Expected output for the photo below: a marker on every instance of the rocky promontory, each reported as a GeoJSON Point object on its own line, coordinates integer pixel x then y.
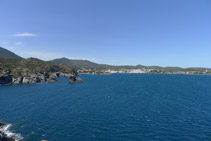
{"type": "Point", "coordinates": [30, 71]}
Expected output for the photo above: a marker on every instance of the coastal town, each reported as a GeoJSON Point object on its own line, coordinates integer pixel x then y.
{"type": "Point", "coordinates": [145, 71]}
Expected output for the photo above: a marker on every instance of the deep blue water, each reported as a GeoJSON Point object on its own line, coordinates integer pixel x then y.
{"type": "Point", "coordinates": [119, 107]}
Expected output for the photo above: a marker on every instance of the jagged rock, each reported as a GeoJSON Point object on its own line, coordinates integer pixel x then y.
{"type": "Point", "coordinates": [52, 79]}
{"type": "Point", "coordinates": [17, 80]}
{"type": "Point", "coordinates": [35, 78]}
{"type": "Point", "coordinates": [64, 75]}
{"type": "Point", "coordinates": [26, 80]}
{"type": "Point", "coordinates": [46, 75]}
{"type": "Point", "coordinates": [3, 136]}
{"type": "Point", "coordinates": [74, 79]}
{"type": "Point", "coordinates": [56, 74]}
{"type": "Point", "coordinates": [79, 80]}
{"type": "Point", "coordinates": [1, 125]}
{"type": "Point", "coordinates": [5, 79]}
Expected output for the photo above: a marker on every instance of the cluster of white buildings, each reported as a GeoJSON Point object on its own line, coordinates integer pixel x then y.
{"type": "Point", "coordinates": [128, 71]}
{"type": "Point", "coordinates": [142, 70]}
{"type": "Point", "coordinates": [115, 71]}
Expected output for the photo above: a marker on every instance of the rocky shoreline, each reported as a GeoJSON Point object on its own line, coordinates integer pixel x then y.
{"type": "Point", "coordinates": [3, 134]}
{"type": "Point", "coordinates": [8, 79]}
{"type": "Point", "coordinates": [32, 70]}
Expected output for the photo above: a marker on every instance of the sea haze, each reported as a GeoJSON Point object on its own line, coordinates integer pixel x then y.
{"type": "Point", "coordinates": [113, 107]}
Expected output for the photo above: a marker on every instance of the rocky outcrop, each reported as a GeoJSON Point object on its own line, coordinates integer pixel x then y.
{"type": "Point", "coordinates": [60, 74]}
{"type": "Point", "coordinates": [74, 79]}
{"type": "Point", "coordinates": [17, 80]}
{"type": "Point", "coordinates": [8, 78]}
{"type": "Point", "coordinates": [35, 78]}
{"type": "Point", "coordinates": [5, 78]}
{"type": "Point", "coordinates": [52, 79]}
{"type": "Point", "coordinates": [27, 78]}
{"type": "Point", "coordinates": [3, 135]}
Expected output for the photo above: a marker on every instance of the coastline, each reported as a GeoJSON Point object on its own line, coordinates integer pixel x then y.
{"type": "Point", "coordinates": [37, 78]}
{"type": "Point", "coordinates": [141, 73]}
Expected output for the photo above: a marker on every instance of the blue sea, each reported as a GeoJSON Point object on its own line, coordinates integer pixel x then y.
{"type": "Point", "coordinates": [117, 107]}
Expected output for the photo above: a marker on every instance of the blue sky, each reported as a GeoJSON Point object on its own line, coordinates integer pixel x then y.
{"type": "Point", "coordinates": [117, 32]}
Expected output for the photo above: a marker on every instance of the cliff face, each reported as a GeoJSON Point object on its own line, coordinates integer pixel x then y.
{"type": "Point", "coordinates": [29, 71]}
{"type": "Point", "coordinates": [30, 78]}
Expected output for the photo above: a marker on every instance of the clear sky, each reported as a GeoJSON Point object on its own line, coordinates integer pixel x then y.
{"type": "Point", "coordinates": [117, 32]}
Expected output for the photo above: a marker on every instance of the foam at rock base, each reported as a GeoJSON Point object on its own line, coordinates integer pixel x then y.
{"type": "Point", "coordinates": [5, 130]}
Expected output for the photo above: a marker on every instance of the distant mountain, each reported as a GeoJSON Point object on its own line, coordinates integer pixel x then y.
{"type": "Point", "coordinates": [94, 67]}
{"type": "Point", "coordinates": [77, 64]}
{"type": "Point", "coordinates": [4, 53]}
{"type": "Point", "coordinates": [88, 66]}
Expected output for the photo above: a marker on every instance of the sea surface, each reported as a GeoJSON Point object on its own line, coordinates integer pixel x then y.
{"type": "Point", "coordinates": [117, 107]}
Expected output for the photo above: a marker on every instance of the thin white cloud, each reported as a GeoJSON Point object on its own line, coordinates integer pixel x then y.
{"type": "Point", "coordinates": [18, 43]}
{"type": "Point", "coordinates": [3, 43]}
{"type": "Point", "coordinates": [25, 34]}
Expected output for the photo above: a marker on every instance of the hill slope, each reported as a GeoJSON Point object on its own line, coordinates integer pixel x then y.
{"type": "Point", "coordinates": [4, 53]}
{"type": "Point", "coordinates": [78, 64]}
{"type": "Point", "coordinates": [32, 70]}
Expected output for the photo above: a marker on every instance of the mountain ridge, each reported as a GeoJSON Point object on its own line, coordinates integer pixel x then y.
{"type": "Point", "coordinates": [92, 66]}
{"type": "Point", "coordinates": [4, 53]}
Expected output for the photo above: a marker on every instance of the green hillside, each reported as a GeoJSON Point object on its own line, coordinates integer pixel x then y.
{"type": "Point", "coordinates": [78, 64]}
{"type": "Point", "coordinates": [75, 63]}
{"type": "Point", "coordinates": [20, 67]}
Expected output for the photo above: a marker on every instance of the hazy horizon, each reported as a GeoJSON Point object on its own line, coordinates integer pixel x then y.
{"type": "Point", "coordinates": [120, 32]}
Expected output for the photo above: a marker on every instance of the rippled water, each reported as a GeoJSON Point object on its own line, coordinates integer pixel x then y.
{"type": "Point", "coordinates": [111, 108]}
